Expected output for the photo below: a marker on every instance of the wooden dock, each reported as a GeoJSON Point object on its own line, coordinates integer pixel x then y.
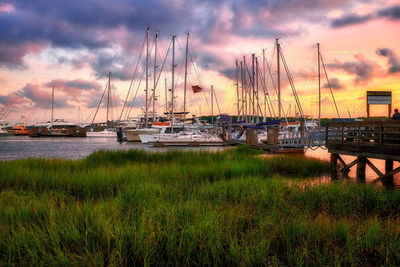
{"type": "Point", "coordinates": [365, 140]}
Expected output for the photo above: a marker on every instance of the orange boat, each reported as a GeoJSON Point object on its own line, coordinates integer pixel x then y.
{"type": "Point", "coordinates": [19, 129]}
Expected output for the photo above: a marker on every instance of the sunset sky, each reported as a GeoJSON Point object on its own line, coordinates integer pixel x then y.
{"type": "Point", "coordinates": [73, 45]}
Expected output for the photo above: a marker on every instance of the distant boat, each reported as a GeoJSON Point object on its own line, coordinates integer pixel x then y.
{"type": "Point", "coordinates": [107, 132]}
{"type": "Point", "coordinates": [56, 127]}
{"type": "Point", "coordinates": [20, 127]}
{"type": "Point", "coordinates": [103, 133]}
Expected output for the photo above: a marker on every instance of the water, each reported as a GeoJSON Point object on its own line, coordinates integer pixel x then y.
{"type": "Point", "coordinates": [21, 147]}
{"type": "Point", "coordinates": [370, 175]}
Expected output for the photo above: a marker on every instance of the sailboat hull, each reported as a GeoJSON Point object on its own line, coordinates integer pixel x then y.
{"type": "Point", "coordinates": [133, 134]}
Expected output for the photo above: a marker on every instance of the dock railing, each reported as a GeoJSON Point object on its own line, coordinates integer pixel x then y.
{"type": "Point", "coordinates": [301, 139]}
{"type": "Point", "coordinates": [363, 133]}
{"type": "Point", "coordinates": [365, 140]}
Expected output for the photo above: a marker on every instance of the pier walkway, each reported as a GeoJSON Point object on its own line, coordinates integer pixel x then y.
{"type": "Point", "coordinates": [364, 140]}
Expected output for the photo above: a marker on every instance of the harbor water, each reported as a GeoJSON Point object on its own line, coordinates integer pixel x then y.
{"type": "Point", "coordinates": [22, 147]}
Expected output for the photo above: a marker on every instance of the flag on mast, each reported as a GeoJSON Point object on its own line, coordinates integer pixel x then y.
{"type": "Point", "coordinates": [197, 89]}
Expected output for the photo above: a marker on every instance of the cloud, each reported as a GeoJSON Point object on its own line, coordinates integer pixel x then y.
{"type": "Point", "coordinates": [351, 19]}
{"type": "Point", "coordinates": [97, 24]}
{"type": "Point", "coordinates": [11, 56]}
{"type": "Point", "coordinates": [229, 73]}
{"type": "Point", "coordinates": [335, 84]}
{"type": "Point", "coordinates": [362, 68]}
{"type": "Point", "coordinates": [66, 92]}
{"type": "Point", "coordinates": [39, 97]}
{"type": "Point", "coordinates": [74, 88]}
{"type": "Point", "coordinates": [393, 60]}
{"type": "Point", "coordinates": [391, 13]}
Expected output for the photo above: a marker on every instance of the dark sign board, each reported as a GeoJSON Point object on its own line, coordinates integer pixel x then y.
{"type": "Point", "coordinates": [379, 97]}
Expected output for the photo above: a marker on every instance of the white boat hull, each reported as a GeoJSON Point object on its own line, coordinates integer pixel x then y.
{"type": "Point", "coordinates": [111, 134]}
{"type": "Point", "coordinates": [133, 134]}
{"type": "Point", "coordinates": [181, 139]}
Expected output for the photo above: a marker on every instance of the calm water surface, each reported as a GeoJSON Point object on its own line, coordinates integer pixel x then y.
{"type": "Point", "coordinates": [19, 147]}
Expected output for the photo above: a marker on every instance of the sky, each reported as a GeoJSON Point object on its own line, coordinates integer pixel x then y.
{"type": "Point", "coordinates": [73, 45]}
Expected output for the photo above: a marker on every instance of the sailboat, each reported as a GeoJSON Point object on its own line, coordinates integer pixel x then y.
{"type": "Point", "coordinates": [56, 127]}
{"type": "Point", "coordinates": [178, 133]}
{"type": "Point", "coordinates": [107, 132]}
{"type": "Point", "coordinates": [148, 125]}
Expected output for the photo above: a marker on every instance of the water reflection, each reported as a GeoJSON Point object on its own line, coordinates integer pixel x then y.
{"type": "Point", "coordinates": [370, 175]}
{"type": "Point", "coordinates": [20, 147]}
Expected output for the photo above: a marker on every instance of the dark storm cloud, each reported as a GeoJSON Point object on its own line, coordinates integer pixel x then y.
{"type": "Point", "coordinates": [362, 68]}
{"type": "Point", "coordinates": [350, 20]}
{"type": "Point", "coordinates": [393, 60]}
{"type": "Point", "coordinates": [229, 73]}
{"type": "Point", "coordinates": [391, 13]}
{"type": "Point", "coordinates": [86, 24]}
{"type": "Point", "coordinates": [335, 84]}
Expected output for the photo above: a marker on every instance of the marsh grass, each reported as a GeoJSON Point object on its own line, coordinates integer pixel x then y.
{"type": "Point", "coordinates": [188, 208]}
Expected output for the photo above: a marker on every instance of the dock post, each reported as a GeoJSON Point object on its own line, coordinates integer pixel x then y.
{"type": "Point", "coordinates": [251, 137]}
{"type": "Point", "coordinates": [361, 166]}
{"type": "Point", "coordinates": [388, 168]}
{"type": "Point", "coordinates": [333, 163]}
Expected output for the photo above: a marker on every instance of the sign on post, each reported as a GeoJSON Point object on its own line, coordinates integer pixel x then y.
{"type": "Point", "coordinates": [379, 98]}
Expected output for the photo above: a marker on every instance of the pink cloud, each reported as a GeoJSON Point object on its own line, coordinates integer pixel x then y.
{"type": "Point", "coordinates": [6, 8]}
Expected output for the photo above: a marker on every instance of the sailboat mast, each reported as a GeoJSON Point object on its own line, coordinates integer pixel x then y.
{"type": "Point", "coordinates": [173, 83]}
{"type": "Point", "coordinates": [184, 92]}
{"type": "Point", "coordinates": [245, 87]}
{"type": "Point", "coordinates": [258, 101]}
{"type": "Point", "coordinates": [237, 89]}
{"type": "Point", "coordinates": [52, 107]}
{"type": "Point", "coordinates": [265, 97]}
{"type": "Point", "coordinates": [166, 96]}
{"type": "Point", "coordinates": [147, 76]}
{"type": "Point", "coordinates": [253, 85]}
{"type": "Point", "coordinates": [108, 97]}
{"type": "Point", "coordinates": [242, 81]}
{"type": "Point", "coordinates": [154, 74]}
{"type": "Point", "coordinates": [278, 51]}
{"type": "Point", "coordinates": [319, 89]}
{"type": "Point", "coordinates": [212, 105]}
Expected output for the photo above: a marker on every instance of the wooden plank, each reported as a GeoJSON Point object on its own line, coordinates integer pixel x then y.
{"type": "Point", "coordinates": [369, 155]}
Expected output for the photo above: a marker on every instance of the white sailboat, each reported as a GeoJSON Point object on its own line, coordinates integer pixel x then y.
{"type": "Point", "coordinates": [178, 133]}
{"type": "Point", "coordinates": [107, 132]}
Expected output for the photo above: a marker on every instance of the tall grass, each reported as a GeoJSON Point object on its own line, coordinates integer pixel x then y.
{"type": "Point", "coordinates": [191, 208]}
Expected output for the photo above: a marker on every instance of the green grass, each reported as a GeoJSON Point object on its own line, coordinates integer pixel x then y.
{"type": "Point", "coordinates": [191, 208]}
